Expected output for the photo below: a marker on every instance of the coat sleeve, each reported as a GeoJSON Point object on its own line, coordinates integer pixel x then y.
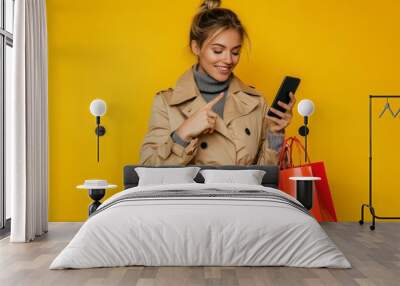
{"type": "Point", "coordinates": [268, 155]}
{"type": "Point", "coordinates": [158, 147]}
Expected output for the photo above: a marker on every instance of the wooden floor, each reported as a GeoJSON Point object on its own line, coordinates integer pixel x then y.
{"type": "Point", "coordinates": [375, 257]}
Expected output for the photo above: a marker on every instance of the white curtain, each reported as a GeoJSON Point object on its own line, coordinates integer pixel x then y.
{"type": "Point", "coordinates": [27, 124]}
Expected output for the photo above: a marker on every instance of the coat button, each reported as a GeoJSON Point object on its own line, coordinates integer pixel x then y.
{"type": "Point", "coordinates": [203, 145]}
{"type": "Point", "coordinates": [247, 130]}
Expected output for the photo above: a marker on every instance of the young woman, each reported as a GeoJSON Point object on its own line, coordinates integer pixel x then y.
{"type": "Point", "coordinates": [211, 117]}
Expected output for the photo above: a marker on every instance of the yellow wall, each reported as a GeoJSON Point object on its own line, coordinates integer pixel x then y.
{"type": "Point", "coordinates": [125, 51]}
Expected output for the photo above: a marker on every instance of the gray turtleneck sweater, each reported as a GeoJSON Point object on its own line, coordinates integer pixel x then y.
{"type": "Point", "coordinates": [210, 88]}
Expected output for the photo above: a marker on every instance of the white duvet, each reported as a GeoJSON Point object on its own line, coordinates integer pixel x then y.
{"type": "Point", "coordinates": [200, 231]}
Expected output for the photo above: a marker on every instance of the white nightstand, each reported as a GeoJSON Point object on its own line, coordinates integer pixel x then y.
{"type": "Point", "coordinates": [304, 190]}
{"type": "Point", "coordinates": [97, 190]}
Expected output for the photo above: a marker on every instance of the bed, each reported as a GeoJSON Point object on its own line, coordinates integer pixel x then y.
{"type": "Point", "coordinates": [198, 224]}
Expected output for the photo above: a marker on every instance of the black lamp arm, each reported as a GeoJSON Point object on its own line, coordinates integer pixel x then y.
{"type": "Point", "coordinates": [100, 131]}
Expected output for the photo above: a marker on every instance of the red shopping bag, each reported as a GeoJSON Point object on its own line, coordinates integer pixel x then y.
{"type": "Point", "coordinates": [323, 208]}
{"type": "Point", "coordinates": [327, 209]}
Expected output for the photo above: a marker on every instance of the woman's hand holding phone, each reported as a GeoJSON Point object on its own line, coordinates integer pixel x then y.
{"type": "Point", "coordinates": [279, 124]}
{"type": "Point", "coordinates": [201, 122]}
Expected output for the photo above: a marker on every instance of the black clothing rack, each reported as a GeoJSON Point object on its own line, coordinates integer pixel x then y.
{"type": "Point", "coordinates": [369, 205]}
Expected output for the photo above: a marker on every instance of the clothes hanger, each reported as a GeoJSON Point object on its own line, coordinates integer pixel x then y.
{"type": "Point", "coordinates": [397, 113]}
{"type": "Point", "coordinates": [387, 107]}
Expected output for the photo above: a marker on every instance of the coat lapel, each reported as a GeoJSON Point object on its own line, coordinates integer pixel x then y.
{"type": "Point", "coordinates": [190, 107]}
{"type": "Point", "coordinates": [239, 103]}
{"type": "Point", "coordinates": [186, 96]}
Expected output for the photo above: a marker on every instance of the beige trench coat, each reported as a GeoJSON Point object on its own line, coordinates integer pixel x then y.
{"type": "Point", "coordinates": [238, 139]}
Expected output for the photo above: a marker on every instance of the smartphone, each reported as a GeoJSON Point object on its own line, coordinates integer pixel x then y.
{"type": "Point", "coordinates": [289, 84]}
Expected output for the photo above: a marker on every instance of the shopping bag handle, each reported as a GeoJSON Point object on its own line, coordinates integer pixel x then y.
{"type": "Point", "coordinates": [287, 149]}
{"type": "Point", "coordinates": [283, 152]}
{"type": "Point", "coordinates": [301, 148]}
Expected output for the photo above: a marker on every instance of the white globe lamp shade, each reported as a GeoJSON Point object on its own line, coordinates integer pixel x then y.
{"type": "Point", "coordinates": [98, 107]}
{"type": "Point", "coordinates": [305, 107]}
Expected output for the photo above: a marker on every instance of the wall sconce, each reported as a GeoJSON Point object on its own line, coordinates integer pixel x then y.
{"type": "Point", "coordinates": [98, 108]}
{"type": "Point", "coordinates": [305, 108]}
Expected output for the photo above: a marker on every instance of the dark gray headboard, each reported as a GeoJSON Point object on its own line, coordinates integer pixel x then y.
{"type": "Point", "coordinates": [270, 179]}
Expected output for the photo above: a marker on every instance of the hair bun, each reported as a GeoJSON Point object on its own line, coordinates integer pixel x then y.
{"type": "Point", "coordinates": [210, 4]}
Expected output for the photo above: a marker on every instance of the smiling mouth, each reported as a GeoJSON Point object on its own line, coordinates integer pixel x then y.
{"type": "Point", "coordinates": [223, 69]}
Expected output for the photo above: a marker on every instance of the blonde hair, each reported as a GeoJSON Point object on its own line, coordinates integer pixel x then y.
{"type": "Point", "coordinates": [210, 4]}
{"type": "Point", "coordinates": [211, 18]}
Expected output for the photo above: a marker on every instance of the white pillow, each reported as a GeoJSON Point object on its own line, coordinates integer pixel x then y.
{"type": "Point", "coordinates": [248, 177]}
{"type": "Point", "coordinates": [163, 176]}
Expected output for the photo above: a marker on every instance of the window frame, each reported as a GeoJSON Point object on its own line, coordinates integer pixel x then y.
{"type": "Point", "coordinates": [6, 39]}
